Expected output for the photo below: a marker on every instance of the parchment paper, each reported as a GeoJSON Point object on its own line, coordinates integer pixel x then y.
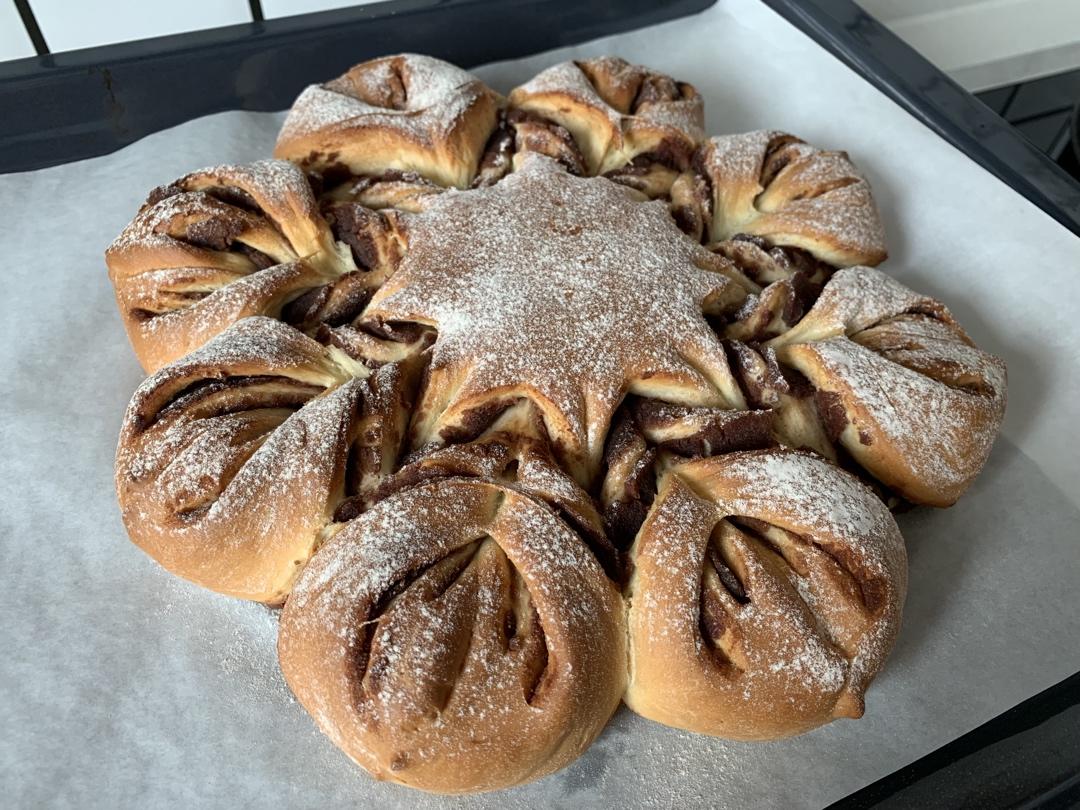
{"type": "Point", "coordinates": [121, 686]}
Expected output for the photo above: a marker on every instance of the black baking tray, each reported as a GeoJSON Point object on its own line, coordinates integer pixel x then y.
{"type": "Point", "coordinates": [58, 108]}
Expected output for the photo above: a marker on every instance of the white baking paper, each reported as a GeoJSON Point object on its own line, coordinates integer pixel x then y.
{"type": "Point", "coordinates": [122, 687]}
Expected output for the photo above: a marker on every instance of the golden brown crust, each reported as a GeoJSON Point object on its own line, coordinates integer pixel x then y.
{"type": "Point", "coordinates": [229, 242]}
{"type": "Point", "coordinates": [519, 316]}
{"type": "Point", "coordinates": [232, 461]}
{"type": "Point", "coordinates": [458, 637]}
{"type": "Point", "coordinates": [516, 456]}
{"type": "Point", "coordinates": [772, 185]}
{"type": "Point", "coordinates": [766, 594]}
{"type": "Point", "coordinates": [617, 112]}
{"type": "Point", "coordinates": [914, 401]}
{"type": "Point", "coordinates": [408, 113]}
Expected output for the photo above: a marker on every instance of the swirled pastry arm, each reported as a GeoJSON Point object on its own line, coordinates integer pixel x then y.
{"type": "Point", "coordinates": [407, 113]}
{"type": "Point", "coordinates": [224, 243]}
{"type": "Point", "coordinates": [457, 637]}
{"type": "Point", "coordinates": [231, 462]}
{"type": "Point", "coordinates": [772, 185]}
{"type": "Point", "coordinates": [898, 384]}
{"type": "Point", "coordinates": [637, 126]}
{"type": "Point", "coordinates": [766, 594]}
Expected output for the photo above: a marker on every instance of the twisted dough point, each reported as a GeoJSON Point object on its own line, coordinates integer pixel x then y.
{"type": "Point", "coordinates": [773, 185]}
{"type": "Point", "coordinates": [901, 386]}
{"type": "Point", "coordinates": [617, 112]}
{"type": "Point", "coordinates": [229, 242]}
{"type": "Point", "coordinates": [232, 460]}
{"type": "Point", "coordinates": [405, 113]}
{"type": "Point", "coordinates": [766, 594]}
{"type": "Point", "coordinates": [457, 637]}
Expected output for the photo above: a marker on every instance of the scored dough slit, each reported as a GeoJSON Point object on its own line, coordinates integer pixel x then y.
{"type": "Point", "coordinates": [910, 349]}
{"type": "Point", "coordinates": [415, 595]}
{"type": "Point", "coordinates": [190, 512]}
{"type": "Point", "coordinates": [208, 398]}
{"type": "Point", "coordinates": [828, 586]}
{"type": "Point", "coordinates": [485, 559]}
{"type": "Point", "coordinates": [528, 639]}
{"type": "Point", "coordinates": [775, 158]}
{"type": "Point", "coordinates": [722, 556]}
{"type": "Point", "coordinates": [824, 188]}
{"type": "Point", "coordinates": [715, 623]}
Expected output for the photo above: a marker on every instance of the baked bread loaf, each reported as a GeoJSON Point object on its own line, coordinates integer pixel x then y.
{"type": "Point", "coordinates": [522, 406]}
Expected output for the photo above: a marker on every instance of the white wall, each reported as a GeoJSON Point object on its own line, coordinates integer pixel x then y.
{"type": "Point", "coordinates": [981, 43]}
{"type": "Point", "coordinates": [14, 41]}
{"type": "Point", "coordinates": [70, 24]}
{"type": "Point", "coordinates": [988, 43]}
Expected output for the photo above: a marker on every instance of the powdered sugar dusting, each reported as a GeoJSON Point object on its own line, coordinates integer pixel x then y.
{"type": "Point", "coordinates": [819, 499]}
{"type": "Point", "coordinates": [776, 653]}
{"type": "Point", "coordinates": [565, 289]}
{"type": "Point", "coordinates": [682, 117]}
{"type": "Point", "coordinates": [251, 343]}
{"type": "Point", "coordinates": [230, 483]}
{"type": "Point", "coordinates": [939, 430]}
{"type": "Point", "coordinates": [569, 292]}
{"type": "Point", "coordinates": [854, 299]}
{"type": "Point", "coordinates": [568, 78]}
{"type": "Point", "coordinates": [437, 95]}
{"type": "Point", "coordinates": [338, 608]}
{"type": "Point", "coordinates": [277, 187]}
{"type": "Point", "coordinates": [806, 495]}
{"type": "Point", "coordinates": [908, 378]}
{"type": "Point", "coordinates": [818, 201]}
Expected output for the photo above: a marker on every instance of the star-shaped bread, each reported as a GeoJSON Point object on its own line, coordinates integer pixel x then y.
{"type": "Point", "coordinates": [564, 293]}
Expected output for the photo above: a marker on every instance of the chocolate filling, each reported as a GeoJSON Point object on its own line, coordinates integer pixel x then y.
{"type": "Point", "coordinates": [396, 331]}
{"type": "Point", "coordinates": [214, 233]}
{"type": "Point", "coordinates": [668, 153]}
{"type": "Point", "coordinates": [236, 197]}
{"type": "Point", "coordinates": [777, 156]}
{"type": "Point", "coordinates": [723, 431]}
{"type": "Point", "coordinates": [726, 575]}
{"type": "Point", "coordinates": [535, 134]}
{"type": "Point", "coordinates": [162, 193]}
{"type": "Point", "coordinates": [624, 514]}
{"type": "Point", "coordinates": [797, 383]}
{"type": "Point", "coordinates": [497, 157]}
{"type": "Point", "coordinates": [686, 218]}
{"type": "Point", "coordinates": [334, 304]}
{"type": "Point", "coordinates": [656, 88]}
{"type": "Point", "coordinates": [475, 421]}
{"type": "Point", "coordinates": [353, 225]}
{"type": "Point", "coordinates": [759, 376]}
{"type": "Point", "coordinates": [246, 393]}
{"type": "Point", "coordinates": [830, 408]}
